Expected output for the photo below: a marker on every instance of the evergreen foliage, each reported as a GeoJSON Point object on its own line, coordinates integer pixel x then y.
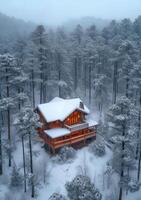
{"type": "Point", "coordinates": [57, 196]}
{"type": "Point", "coordinates": [81, 188]}
{"type": "Point", "coordinates": [66, 154]}
{"type": "Point", "coordinates": [98, 148]}
{"type": "Point", "coordinates": [16, 178]}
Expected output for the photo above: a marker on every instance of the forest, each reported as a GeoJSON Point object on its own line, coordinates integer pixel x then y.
{"type": "Point", "coordinates": [103, 68]}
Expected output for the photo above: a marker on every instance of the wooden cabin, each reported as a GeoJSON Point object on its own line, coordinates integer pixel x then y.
{"type": "Point", "coordinates": [65, 122]}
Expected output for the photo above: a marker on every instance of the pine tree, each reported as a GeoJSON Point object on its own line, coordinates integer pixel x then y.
{"type": "Point", "coordinates": [13, 84]}
{"type": "Point", "coordinates": [7, 73]}
{"type": "Point", "coordinates": [39, 37]}
{"type": "Point", "coordinates": [81, 188]}
{"type": "Point", "coordinates": [32, 69]}
{"type": "Point", "coordinates": [136, 82]}
{"type": "Point", "coordinates": [27, 121]}
{"type": "Point", "coordinates": [123, 115]}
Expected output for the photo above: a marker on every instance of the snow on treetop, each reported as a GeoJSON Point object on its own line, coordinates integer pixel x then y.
{"type": "Point", "coordinates": [91, 122]}
{"type": "Point", "coordinates": [60, 109]}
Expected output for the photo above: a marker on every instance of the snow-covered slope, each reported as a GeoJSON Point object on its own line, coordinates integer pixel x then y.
{"type": "Point", "coordinates": [84, 163]}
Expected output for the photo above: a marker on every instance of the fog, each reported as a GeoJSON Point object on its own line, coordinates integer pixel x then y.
{"type": "Point", "coordinates": [55, 12]}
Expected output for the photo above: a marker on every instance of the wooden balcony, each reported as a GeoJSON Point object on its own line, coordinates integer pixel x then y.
{"type": "Point", "coordinates": [71, 140]}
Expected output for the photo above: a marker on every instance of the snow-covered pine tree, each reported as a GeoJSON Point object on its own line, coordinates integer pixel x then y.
{"type": "Point", "coordinates": [76, 54]}
{"type": "Point", "coordinates": [136, 82]}
{"type": "Point", "coordinates": [8, 69]}
{"type": "Point", "coordinates": [128, 57]}
{"type": "Point", "coordinates": [123, 115]}
{"type": "Point", "coordinates": [32, 69]}
{"type": "Point", "coordinates": [88, 66]}
{"type": "Point", "coordinates": [62, 64]}
{"type": "Point", "coordinates": [13, 83]}
{"type": "Point", "coordinates": [27, 122]}
{"type": "Point", "coordinates": [39, 37]}
{"type": "Point", "coordinates": [81, 188]}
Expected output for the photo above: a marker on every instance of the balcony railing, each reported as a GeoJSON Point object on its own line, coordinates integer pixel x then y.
{"type": "Point", "coordinates": [72, 140]}
{"type": "Point", "coordinates": [77, 127]}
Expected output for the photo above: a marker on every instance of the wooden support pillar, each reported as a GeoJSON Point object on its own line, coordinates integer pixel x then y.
{"type": "Point", "coordinates": [83, 131]}
{"type": "Point", "coordinates": [53, 150]}
{"type": "Point", "coordinates": [70, 140]}
{"type": "Point", "coordinates": [49, 149]}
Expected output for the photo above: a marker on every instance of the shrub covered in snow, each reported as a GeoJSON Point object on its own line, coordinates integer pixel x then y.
{"type": "Point", "coordinates": [16, 178]}
{"type": "Point", "coordinates": [134, 186]}
{"type": "Point", "coordinates": [65, 154]}
{"type": "Point", "coordinates": [81, 188]}
{"type": "Point", "coordinates": [57, 196]}
{"type": "Point", "coordinates": [98, 148]}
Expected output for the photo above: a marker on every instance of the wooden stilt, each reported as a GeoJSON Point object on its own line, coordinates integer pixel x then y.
{"type": "Point", "coordinates": [53, 150]}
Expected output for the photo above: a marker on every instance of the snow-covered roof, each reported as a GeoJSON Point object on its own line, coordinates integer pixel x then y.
{"type": "Point", "coordinates": [57, 132]}
{"type": "Point", "coordinates": [60, 109]}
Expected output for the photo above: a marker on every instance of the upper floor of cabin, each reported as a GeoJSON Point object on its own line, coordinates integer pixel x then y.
{"type": "Point", "coordinates": [62, 112]}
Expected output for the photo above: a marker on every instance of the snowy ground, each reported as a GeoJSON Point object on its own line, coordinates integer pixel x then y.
{"type": "Point", "coordinates": [58, 174]}
{"type": "Point", "coordinates": [84, 163]}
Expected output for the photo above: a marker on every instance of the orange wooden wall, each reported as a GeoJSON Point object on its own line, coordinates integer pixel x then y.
{"type": "Point", "coordinates": [75, 118]}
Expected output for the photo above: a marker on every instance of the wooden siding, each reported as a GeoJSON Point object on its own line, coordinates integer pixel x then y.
{"type": "Point", "coordinates": [75, 118]}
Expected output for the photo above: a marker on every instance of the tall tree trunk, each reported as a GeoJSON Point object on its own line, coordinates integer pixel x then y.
{"type": "Point", "coordinates": [19, 99]}
{"type": "Point", "coordinates": [41, 88]}
{"type": "Point", "coordinates": [127, 87]}
{"type": "Point", "coordinates": [121, 189]}
{"type": "Point", "coordinates": [45, 87]}
{"type": "Point", "coordinates": [115, 82]}
{"type": "Point", "coordinates": [33, 89]}
{"type": "Point", "coordinates": [138, 135]}
{"type": "Point", "coordinates": [24, 163]}
{"type": "Point", "coordinates": [41, 68]}
{"type": "Point", "coordinates": [44, 93]}
{"type": "Point", "coordinates": [1, 163]}
{"type": "Point", "coordinates": [2, 118]}
{"type": "Point", "coordinates": [75, 74]}
{"type": "Point", "coordinates": [90, 89]}
{"type": "Point", "coordinates": [59, 62]}
{"type": "Point", "coordinates": [9, 136]}
{"type": "Point", "coordinates": [139, 165]}
{"type": "Point", "coordinates": [8, 120]}
{"type": "Point", "coordinates": [122, 164]}
{"type": "Point", "coordinates": [59, 78]}
{"type": "Point", "coordinates": [139, 147]}
{"type": "Point", "coordinates": [31, 167]}
{"type": "Point", "coordinates": [1, 113]}
{"type": "Point", "coordinates": [85, 82]}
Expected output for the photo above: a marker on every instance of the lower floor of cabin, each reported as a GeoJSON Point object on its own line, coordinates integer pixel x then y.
{"type": "Point", "coordinates": [75, 138]}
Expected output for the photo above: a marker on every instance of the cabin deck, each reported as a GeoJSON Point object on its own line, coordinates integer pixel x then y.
{"type": "Point", "coordinates": [72, 138]}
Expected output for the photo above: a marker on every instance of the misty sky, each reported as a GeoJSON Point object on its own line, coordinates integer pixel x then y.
{"type": "Point", "coordinates": [54, 12]}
